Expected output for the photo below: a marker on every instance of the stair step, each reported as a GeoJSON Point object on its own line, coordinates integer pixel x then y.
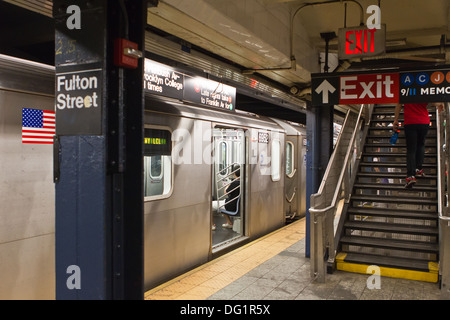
{"type": "Point", "coordinates": [392, 175]}
{"type": "Point", "coordinates": [394, 199]}
{"type": "Point", "coordinates": [394, 154]}
{"type": "Point", "coordinates": [397, 145]}
{"type": "Point", "coordinates": [392, 228]}
{"type": "Point", "coordinates": [392, 187]}
{"type": "Point", "coordinates": [393, 213]}
{"type": "Point", "coordinates": [383, 248]}
{"type": "Point", "coordinates": [393, 164]}
{"type": "Point", "coordinates": [432, 128]}
{"type": "Point", "coordinates": [389, 117]}
{"type": "Point", "coordinates": [389, 266]}
{"type": "Point", "coordinates": [388, 136]}
{"type": "Point", "coordinates": [419, 246]}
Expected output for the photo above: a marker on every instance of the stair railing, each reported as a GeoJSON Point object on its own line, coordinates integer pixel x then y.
{"type": "Point", "coordinates": [336, 184]}
{"type": "Point", "coordinates": [443, 156]}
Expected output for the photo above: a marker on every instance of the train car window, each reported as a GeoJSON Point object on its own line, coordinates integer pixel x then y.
{"type": "Point", "coordinates": [223, 153]}
{"type": "Point", "coordinates": [157, 164]}
{"type": "Point", "coordinates": [156, 167]}
{"type": "Point", "coordinates": [276, 160]}
{"type": "Point", "coordinates": [289, 159]}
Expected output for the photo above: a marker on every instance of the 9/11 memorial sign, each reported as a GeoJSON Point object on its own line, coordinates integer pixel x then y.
{"type": "Point", "coordinates": [417, 86]}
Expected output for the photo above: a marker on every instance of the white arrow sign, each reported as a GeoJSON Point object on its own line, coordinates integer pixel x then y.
{"type": "Point", "coordinates": [325, 88]}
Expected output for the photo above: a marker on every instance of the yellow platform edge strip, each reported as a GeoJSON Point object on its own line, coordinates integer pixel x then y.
{"type": "Point", "coordinates": [431, 276]}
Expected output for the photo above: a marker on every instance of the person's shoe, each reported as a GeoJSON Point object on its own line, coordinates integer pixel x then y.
{"type": "Point", "coordinates": [419, 173]}
{"type": "Point", "coordinates": [227, 226]}
{"type": "Point", "coordinates": [410, 181]}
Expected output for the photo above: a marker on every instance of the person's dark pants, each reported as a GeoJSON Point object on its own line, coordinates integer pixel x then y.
{"type": "Point", "coordinates": [415, 135]}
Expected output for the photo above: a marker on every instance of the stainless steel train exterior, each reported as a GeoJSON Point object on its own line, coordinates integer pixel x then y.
{"type": "Point", "coordinates": [27, 227]}
{"type": "Point", "coordinates": [295, 180]}
{"type": "Point", "coordinates": [183, 226]}
{"type": "Point", "coordinates": [178, 224]}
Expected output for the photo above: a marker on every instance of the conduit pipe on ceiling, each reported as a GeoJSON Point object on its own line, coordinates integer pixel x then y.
{"type": "Point", "coordinates": [414, 54]}
{"type": "Point", "coordinates": [291, 38]}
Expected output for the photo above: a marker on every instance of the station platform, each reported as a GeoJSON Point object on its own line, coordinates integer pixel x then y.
{"type": "Point", "coordinates": [274, 267]}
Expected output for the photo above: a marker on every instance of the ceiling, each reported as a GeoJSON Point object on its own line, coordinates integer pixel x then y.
{"type": "Point", "coordinates": [416, 33]}
{"type": "Point", "coordinates": [254, 35]}
{"type": "Point", "coordinates": [420, 22]}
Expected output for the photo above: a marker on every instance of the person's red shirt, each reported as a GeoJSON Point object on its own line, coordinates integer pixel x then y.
{"type": "Point", "coordinates": [415, 113]}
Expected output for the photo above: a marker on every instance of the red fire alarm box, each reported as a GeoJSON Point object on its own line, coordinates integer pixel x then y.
{"type": "Point", "coordinates": [126, 53]}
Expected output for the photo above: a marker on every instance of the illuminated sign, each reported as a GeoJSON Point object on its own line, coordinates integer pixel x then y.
{"type": "Point", "coordinates": [156, 141]}
{"type": "Point", "coordinates": [360, 42]}
{"type": "Point", "coordinates": [210, 93]}
{"type": "Point", "coordinates": [166, 81]}
{"type": "Point", "coordinates": [163, 80]}
{"type": "Point", "coordinates": [418, 86]}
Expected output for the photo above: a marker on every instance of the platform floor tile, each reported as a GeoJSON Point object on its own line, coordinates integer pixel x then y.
{"type": "Point", "coordinates": [206, 280]}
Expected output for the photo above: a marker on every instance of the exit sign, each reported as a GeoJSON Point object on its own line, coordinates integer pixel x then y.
{"type": "Point", "coordinates": [358, 42]}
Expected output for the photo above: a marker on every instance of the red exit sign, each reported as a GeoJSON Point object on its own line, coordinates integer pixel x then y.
{"type": "Point", "coordinates": [369, 88]}
{"type": "Point", "coordinates": [360, 42]}
{"type": "Point", "coordinates": [346, 89]}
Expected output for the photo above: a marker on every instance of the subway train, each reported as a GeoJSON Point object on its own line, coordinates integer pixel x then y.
{"type": "Point", "coordinates": [191, 156]}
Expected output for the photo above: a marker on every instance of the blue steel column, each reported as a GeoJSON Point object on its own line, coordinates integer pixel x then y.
{"type": "Point", "coordinates": [99, 194]}
{"type": "Point", "coordinates": [319, 135]}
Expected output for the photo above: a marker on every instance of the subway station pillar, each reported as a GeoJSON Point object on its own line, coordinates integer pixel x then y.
{"type": "Point", "coordinates": [98, 150]}
{"type": "Point", "coordinates": [319, 135]}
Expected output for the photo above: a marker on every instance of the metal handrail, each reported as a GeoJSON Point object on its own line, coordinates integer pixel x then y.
{"type": "Point", "coordinates": [322, 222]}
{"type": "Point", "coordinates": [218, 174]}
{"type": "Point", "coordinates": [443, 156]}
{"type": "Point", "coordinates": [293, 195]}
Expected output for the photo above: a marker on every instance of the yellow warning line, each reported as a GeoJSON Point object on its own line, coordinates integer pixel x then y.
{"type": "Point", "coordinates": [202, 282]}
{"type": "Point", "coordinates": [430, 276]}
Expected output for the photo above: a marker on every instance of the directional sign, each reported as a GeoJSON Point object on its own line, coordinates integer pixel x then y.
{"type": "Point", "coordinates": [425, 86]}
{"type": "Point", "coordinates": [325, 88]}
{"type": "Point", "coordinates": [418, 86]}
{"type": "Point", "coordinates": [369, 88]}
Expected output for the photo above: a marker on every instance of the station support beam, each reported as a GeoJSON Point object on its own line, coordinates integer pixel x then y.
{"type": "Point", "coordinates": [319, 135]}
{"type": "Point", "coordinates": [98, 151]}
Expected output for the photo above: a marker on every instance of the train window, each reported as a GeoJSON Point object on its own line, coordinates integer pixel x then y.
{"type": "Point", "coordinates": [156, 167]}
{"type": "Point", "coordinates": [276, 160]}
{"type": "Point", "coordinates": [157, 164]}
{"type": "Point", "coordinates": [289, 159]}
{"type": "Point", "coordinates": [223, 153]}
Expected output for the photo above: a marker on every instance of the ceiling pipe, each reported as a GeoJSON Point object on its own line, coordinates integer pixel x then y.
{"type": "Point", "coordinates": [413, 54]}
{"type": "Point", "coordinates": [293, 66]}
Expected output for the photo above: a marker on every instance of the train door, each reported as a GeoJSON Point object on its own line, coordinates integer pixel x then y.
{"type": "Point", "coordinates": [228, 186]}
{"type": "Point", "coordinates": [291, 180]}
{"type": "Point", "coordinates": [295, 177]}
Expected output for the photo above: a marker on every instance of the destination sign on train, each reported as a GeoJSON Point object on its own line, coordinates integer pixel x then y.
{"type": "Point", "coordinates": [166, 81]}
{"type": "Point", "coordinates": [417, 86]}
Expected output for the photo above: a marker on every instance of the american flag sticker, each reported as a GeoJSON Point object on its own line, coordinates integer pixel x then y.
{"type": "Point", "coordinates": [38, 126]}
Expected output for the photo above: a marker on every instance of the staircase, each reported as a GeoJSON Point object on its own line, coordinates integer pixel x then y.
{"type": "Point", "coordinates": [385, 224]}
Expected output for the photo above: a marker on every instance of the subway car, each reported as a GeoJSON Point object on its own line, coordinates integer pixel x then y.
{"type": "Point", "coordinates": [191, 156]}
{"type": "Point", "coordinates": [188, 169]}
